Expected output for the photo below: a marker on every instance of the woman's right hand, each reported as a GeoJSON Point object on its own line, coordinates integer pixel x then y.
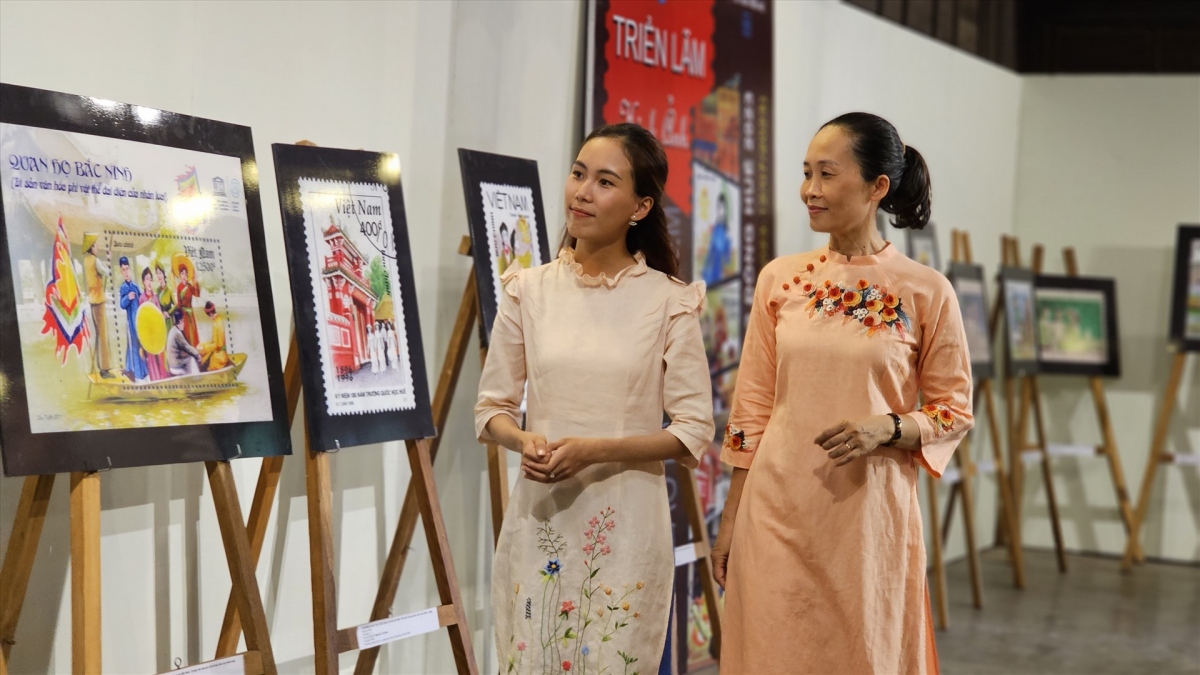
{"type": "Point", "coordinates": [720, 553]}
{"type": "Point", "coordinates": [535, 456]}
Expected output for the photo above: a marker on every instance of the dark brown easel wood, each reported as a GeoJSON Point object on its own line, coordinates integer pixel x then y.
{"type": "Point", "coordinates": [961, 252]}
{"type": "Point", "coordinates": [1158, 455]}
{"type": "Point", "coordinates": [1108, 448]}
{"type": "Point", "coordinates": [1030, 405]}
{"type": "Point", "coordinates": [85, 565]}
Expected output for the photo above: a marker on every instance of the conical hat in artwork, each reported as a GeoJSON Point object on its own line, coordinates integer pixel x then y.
{"type": "Point", "coordinates": [384, 310]}
{"type": "Point", "coordinates": [181, 260]}
{"type": "Point", "coordinates": [89, 238]}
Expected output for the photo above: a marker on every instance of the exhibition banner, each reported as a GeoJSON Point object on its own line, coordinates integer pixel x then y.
{"type": "Point", "coordinates": [698, 75]}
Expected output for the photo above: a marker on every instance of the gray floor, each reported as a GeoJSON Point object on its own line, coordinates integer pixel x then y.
{"type": "Point", "coordinates": [1092, 620]}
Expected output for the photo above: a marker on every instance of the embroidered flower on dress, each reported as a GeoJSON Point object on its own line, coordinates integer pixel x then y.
{"type": "Point", "coordinates": [553, 567]}
{"type": "Point", "coordinates": [735, 438]}
{"type": "Point", "coordinates": [942, 417]}
{"type": "Point", "coordinates": [872, 306]}
{"type": "Point", "coordinates": [568, 606]}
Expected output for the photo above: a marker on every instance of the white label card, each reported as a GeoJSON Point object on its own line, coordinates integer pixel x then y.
{"type": "Point", "coordinates": [397, 628]}
{"type": "Point", "coordinates": [234, 665]}
{"type": "Point", "coordinates": [1062, 450]}
{"type": "Point", "coordinates": [685, 554]}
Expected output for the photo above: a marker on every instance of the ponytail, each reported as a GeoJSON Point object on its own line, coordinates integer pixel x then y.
{"type": "Point", "coordinates": [910, 200]}
{"type": "Point", "coordinates": [876, 146]}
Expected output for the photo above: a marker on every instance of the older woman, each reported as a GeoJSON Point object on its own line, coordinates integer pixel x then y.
{"type": "Point", "coordinates": [820, 549]}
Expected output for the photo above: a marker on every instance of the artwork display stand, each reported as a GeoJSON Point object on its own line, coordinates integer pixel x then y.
{"type": "Point", "coordinates": [85, 567]}
{"type": "Point", "coordinates": [1108, 447]}
{"type": "Point", "coordinates": [1018, 412]}
{"type": "Point", "coordinates": [1158, 455]}
{"type": "Point", "coordinates": [961, 252]}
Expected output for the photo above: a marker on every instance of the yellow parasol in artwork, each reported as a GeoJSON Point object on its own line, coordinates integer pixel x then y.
{"type": "Point", "coordinates": [151, 329]}
{"type": "Point", "coordinates": [182, 260]}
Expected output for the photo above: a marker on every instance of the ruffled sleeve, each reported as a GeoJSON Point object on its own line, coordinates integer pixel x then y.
{"type": "Point", "coordinates": [754, 395]}
{"type": "Point", "coordinates": [944, 374]}
{"type": "Point", "coordinates": [687, 391]}
{"type": "Point", "coordinates": [502, 383]}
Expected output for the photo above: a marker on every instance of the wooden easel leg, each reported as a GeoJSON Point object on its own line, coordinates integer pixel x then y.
{"type": "Point", "coordinates": [1047, 476]}
{"type": "Point", "coordinates": [19, 557]}
{"type": "Point", "coordinates": [1016, 471]}
{"type": "Point", "coordinates": [241, 566]}
{"type": "Point", "coordinates": [393, 568]}
{"type": "Point", "coordinates": [939, 568]}
{"type": "Point", "coordinates": [967, 468]}
{"type": "Point", "coordinates": [498, 480]}
{"type": "Point", "coordinates": [1114, 459]}
{"type": "Point", "coordinates": [260, 505]}
{"type": "Point", "coordinates": [1004, 487]}
{"type": "Point", "coordinates": [439, 553]}
{"type": "Point", "coordinates": [951, 502]}
{"type": "Point", "coordinates": [1157, 448]}
{"type": "Point", "coordinates": [85, 573]}
{"type": "Point", "coordinates": [320, 560]}
{"type": "Point", "coordinates": [690, 497]}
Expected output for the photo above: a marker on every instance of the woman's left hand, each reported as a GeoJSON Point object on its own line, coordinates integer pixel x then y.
{"type": "Point", "coordinates": [569, 456]}
{"type": "Point", "coordinates": [847, 441]}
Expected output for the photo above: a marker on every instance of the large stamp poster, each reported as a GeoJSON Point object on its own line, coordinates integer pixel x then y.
{"type": "Point", "coordinates": [352, 285]}
{"type": "Point", "coordinates": [136, 285]}
{"type": "Point", "coordinates": [508, 227]}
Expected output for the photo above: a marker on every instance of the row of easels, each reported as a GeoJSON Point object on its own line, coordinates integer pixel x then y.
{"type": "Point", "coordinates": [1023, 405]}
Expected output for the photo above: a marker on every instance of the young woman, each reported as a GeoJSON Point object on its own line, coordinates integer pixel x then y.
{"type": "Point", "coordinates": [820, 548]}
{"type": "Point", "coordinates": [155, 365]}
{"type": "Point", "coordinates": [607, 340]}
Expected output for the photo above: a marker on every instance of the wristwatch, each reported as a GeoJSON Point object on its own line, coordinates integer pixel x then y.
{"type": "Point", "coordinates": [896, 433]}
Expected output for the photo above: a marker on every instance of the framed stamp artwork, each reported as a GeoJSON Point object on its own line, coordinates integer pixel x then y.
{"type": "Point", "coordinates": [135, 297]}
{"type": "Point", "coordinates": [357, 325]}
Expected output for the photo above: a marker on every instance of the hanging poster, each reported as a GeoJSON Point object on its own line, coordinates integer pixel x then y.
{"type": "Point", "coordinates": [357, 328]}
{"type": "Point", "coordinates": [968, 282]}
{"type": "Point", "coordinates": [699, 76]}
{"type": "Point", "coordinates": [138, 325]}
{"type": "Point", "coordinates": [1020, 321]}
{"type": "Point", "coordinates": [506, 221]}
{"type": "Point", "coordinates": [1077, 325]}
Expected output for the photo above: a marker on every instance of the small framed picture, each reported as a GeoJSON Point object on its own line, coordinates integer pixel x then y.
{"type": "Point", "coordinates": [1077, 326]}
{"type": "Point", "coordinates": [1185, 298]}
{"type": "Point", "coordinates": [922, 246]}
{"type": "Point", "coordinates": [1020, 327]}
{"type": "Point", "coordinates": [968, 282]}
{"type": "Point", "coordinates": [508, 226]}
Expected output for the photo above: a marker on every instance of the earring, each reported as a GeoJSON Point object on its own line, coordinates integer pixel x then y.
{"type": "Point", "coordinates": [633, 223]}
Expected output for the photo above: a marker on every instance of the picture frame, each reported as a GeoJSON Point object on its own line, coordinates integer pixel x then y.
{"type": "Point", "coordinates": [1185, 289]}
{"type": "Point", "coordinates": [970, 288]}
{"type": "Point", "coordinates": [506, 221]}
{"type": "Point", "coordinates": [1077, 326]}
{"type": "Point", "coordinates": [354, 296]}
{"type": "Point", "coordinates": [137, 324]}
{"type": "Point", "coordinates": [1020, 328]}
{"type": "Point", "coordinates": [922, 246]}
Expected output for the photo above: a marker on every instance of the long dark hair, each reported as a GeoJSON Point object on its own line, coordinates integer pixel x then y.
{"type": "Point", "coordinates": [878, 150]}
{"type": "Point", "coordinates": [649, 161]}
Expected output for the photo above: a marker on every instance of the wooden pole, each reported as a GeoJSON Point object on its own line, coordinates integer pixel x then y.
{"type": "Point", "coordinates": [939, 570]}
{"type": "Point", "coordinates": [1004, 487]}
{"type": "Point", "coordinates": [20, 554]}
{"type": "Point", "coordinates": [1158, 446]}
{"type": "Point", "coordinates": [85, 573]}
{"type": "Point", "coordinates": [1035, 400]}
{"type": "Point", "coordinates": [320, 560]}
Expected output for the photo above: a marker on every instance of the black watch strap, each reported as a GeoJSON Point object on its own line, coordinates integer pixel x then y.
{"type": "Point", "coordinates": [896, 433]}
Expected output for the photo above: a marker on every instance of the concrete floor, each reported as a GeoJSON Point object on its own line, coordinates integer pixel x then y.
{"type": "Point", "coordinates": [1091, 621]}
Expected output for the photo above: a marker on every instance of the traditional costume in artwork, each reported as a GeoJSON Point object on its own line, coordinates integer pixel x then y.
{"type": "Point", "coordinates": [827, 564]}
{"type": "Point", "coordinates": [584, 568]}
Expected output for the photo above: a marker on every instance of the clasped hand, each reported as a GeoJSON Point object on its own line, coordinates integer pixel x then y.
{"type": "Point", "coordinates": [547, 462]}
{"type": "Point", "coordinates": [847, 441]}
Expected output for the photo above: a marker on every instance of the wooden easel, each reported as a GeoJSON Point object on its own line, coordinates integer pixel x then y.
{"type": "Point", "coordinates": [961, 252]}
{"type": "Point", "coordinates": [1018, 417]}
{"type": "Point", "coordinates": [1108, 448]}
{"type": "Point", "coordinates": [1158, 455]}
{"type": "Point", "coordinates": [85, 567]}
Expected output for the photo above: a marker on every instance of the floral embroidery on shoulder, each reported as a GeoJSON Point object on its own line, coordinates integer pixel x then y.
{"type": "Point", "coordinates": [869, 304]}
{"type": "Point", "coordinates": [943, 419]}
{"type": "Point", "coordinates": [735, 439]}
